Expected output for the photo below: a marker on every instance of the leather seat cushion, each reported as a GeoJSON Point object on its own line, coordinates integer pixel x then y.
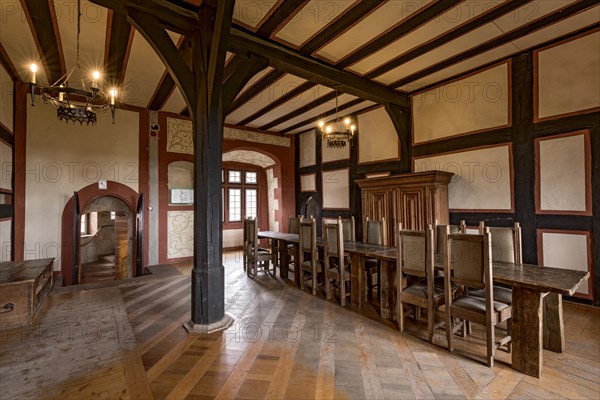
{"type": "Point", "coordinates": [501, 294]}
{"type": "Point", "coordinates": [421, 291]}
{"type": "Point", "coordinates": [476, 304]}
{"type": "Point", "coordinates": [307, 266]}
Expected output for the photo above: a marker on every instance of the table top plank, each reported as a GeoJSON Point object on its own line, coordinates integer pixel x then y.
{"type": "Point", "coordinates": [541, 278]}
{"type": "Point", "coordinates": [22, 271]}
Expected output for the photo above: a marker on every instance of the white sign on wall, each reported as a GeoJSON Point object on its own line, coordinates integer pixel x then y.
{"type": "Point", "coordinates": [182, 196]}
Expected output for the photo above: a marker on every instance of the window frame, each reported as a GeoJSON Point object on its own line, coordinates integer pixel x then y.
{"type": "Point", "coordinates": [226, 185]}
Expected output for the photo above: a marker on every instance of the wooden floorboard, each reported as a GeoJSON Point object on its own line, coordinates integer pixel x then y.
{"type": "Point", "coordinates": [285, 343]}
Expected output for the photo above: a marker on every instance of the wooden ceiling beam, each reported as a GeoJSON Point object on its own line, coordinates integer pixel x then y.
{"type": "Point", "coordinates": [119, 45]}
{"type": "Point", "coordinates": [42, 21]}
{"type": "Point", "coordinates": [246, 68]}
{"type": "Point", "coordinates": [8, 65]}
{"type": "Point", "coordinates": [254, 90]}
{"type": "Point", "coordinates": [286, 10]}
{"type": "Point", "coordinates": [299, 111]}
{"type": "Point", "coordinates": [308, 68]}
{"type": "Point", "coordinates": [471, 25]}
{"type": "Point", "coordinates": [515, 34]}
{"type": "Point", "coordinates": [167, 84]}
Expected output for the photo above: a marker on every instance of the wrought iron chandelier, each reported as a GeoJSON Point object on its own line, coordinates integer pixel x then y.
{"type": "Point", "coordinates": [71, 103]}
{"type": "Point", "coordinates": [339, 131]}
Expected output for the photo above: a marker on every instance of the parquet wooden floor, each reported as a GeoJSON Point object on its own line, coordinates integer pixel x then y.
{"type": "Point", "coordinates": [286, 343]}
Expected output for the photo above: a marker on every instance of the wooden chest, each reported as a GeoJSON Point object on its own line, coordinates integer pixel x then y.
{"type": "Point", "coordinates": [24, 286]}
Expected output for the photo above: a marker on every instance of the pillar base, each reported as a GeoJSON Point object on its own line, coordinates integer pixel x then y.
{"type": "Point", "coordinates": [220, 325]}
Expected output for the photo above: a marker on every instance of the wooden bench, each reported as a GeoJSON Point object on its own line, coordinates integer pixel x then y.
{"type": "Point", "coordinates": [24, 286]}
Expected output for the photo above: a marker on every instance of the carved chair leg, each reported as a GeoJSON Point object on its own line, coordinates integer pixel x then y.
{"type": "Point", "coordinates": [491, 344]}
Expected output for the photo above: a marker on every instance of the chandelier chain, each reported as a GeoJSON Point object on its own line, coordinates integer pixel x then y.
{"type": "Point", "coordinates": [78, 28]}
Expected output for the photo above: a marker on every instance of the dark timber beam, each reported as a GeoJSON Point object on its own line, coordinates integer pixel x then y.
{"type": "Point", "coordinates": [167, 84]}
{"type": "Point", "coordinates": [8, 65]}
{"type": "Point", "coordinates": [254, 90]}
{"type": "Point", "coordinates": [120, 38]}
{"type": "Point", "coordinates": [401, 119]}
{"type": "Point", "coordinates": [244, 69]}
{"type": "Point", "coordinates": [501, 40]}
{"type": "Point", "coordinates": [308, 68]}
{"type": "Point", "coordinates": [284, 12]}
{"type": "Point", "coordinates": [42, 22]}
{"type": "Point", "coordinates": [299, 111]}
{"type": "Point", "coordinates": [472, 24]}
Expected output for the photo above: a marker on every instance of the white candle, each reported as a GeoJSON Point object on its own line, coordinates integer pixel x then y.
{"type": "Point", "coordinates": [113, 93]}
{"type": "Point", "coordinates": [95, 76]}
{"type": "Point", "coordinates": [33, 71]}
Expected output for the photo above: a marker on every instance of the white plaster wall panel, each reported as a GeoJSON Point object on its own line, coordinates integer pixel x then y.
{"type": "Point", "coordinates": [566, 250]}
{"type": "Point", "coordinates": [336, 189]}
{"type": "Point", "coordinates": [280, 87]}
{"type": "Point", "coordinates": [233, 238]}
{"type": "Point", "coordinates": [6, 99]}
{"type": "Point", "coordinates": [474, 103]}
{"type": "Point", "coordinates": [482, 181]}
{"type": "Point", "coordinates": [377, 137]}
{"type": "Point", "coordinates": [175, 103]}
{"type": "Point", "coordinates": [93, 20]}
{"type": "Point", "coordinates": [273, 203]}
{"type": "Point", "coordinates": [21, 48]}
{"type": "Point", "coordinates": [180, 175]}
{"type": "Point", "coordinates": [6, 166]}
{"type": "Point", "coordinates": [374, 24]}
{"type": "Point", "coordinates": [252, 12]}
{"type": "Point", "coordinates": [5, 240]}
{"type": "Point", "coordinates": [451, 19]}
{"type": "Point", "coordinates": [563, 173]}
{"type": "Point", "coordinates": [308, 151]}
{"type": "Point", "coordinates": [180, 234]}
{"type": "Point", "coordinates": [308, 183]}
{"type": "Point", "coordinates": [315, 15]}
{"type": "Point", "coordinates": [143, 73]}
{"type": "Point", "coordinates": [249, 157]}
{"type": "Point", "coordinates": [299, 101]}
{"type": "Point", "coordinates": [63, 158]}
{"type": "Point", "coordinates": [357, 108]}
{"type": "Point", "coordinates": [329, 154]}
{"type": "Point", "coordinates": [569, 76]}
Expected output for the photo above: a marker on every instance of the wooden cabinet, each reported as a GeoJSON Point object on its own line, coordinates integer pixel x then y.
{"type": "Point", "coordinates": [24, 287]}
{"type": "Point", "coordinates": [416, 200]}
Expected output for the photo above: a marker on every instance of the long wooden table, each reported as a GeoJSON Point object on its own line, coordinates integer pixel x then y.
{"type": "Point", "coordinates": [537, 317]}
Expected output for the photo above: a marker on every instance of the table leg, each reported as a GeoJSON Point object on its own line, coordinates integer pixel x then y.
{"type": "Point", "coordinates": [283, 260]}
{"type": "Point", "coordinates": [527, 354]}
{"type": "Point", "coordinates": [387, 301]}
{"type": "Point", "coordinates": [357, 280]}
{"type": "Point", "coordinates": [554, 328]}
{"type": "Point", "coordinates": [274, 253]}
{"type": "Point", "coordinates": [297, 266]}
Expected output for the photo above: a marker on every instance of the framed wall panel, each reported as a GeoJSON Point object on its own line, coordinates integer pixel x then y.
{"type": "Point", "coordinates": [467, 105]}
{"type": "Point", "coordinates": [336, 189]}
{"type": "Point", "coordinates": [6, 99]}
{"type": "Point", "coordinates": [308, 150]}
{"type": "Point", "coordinates": [567, 81]}
{"type": "Point", "coordinates": [6, 167]}
{"type": "Point", "coordinates": [308, 183]}
{"type": "Point", "coordinates": [563, 174]}
{"type": "Point", "coordinates": [483, 178]}
{"type": "Point", "coordinates": [377, 137]}
{"type": "Point", "coordinates": [569, 250]}
{"type": "Point", "coordinates": [5, 239]}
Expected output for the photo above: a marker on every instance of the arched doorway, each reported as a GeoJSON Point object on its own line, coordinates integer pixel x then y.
{"type": "Point", "coordinates": [126, 202]}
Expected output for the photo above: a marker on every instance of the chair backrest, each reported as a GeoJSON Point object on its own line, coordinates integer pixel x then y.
{"type": "Point", "coordinates": [375, 232]}
{"type": "Point", "coordinates": [333, 239]}
{"type": "Point", "coordinates": [506, 243]}
{"type": "Point", "coordinates": [415, 250]}
{"type": "Point", "coordinates": [250, 231]}
{"type": "Point", "coordinates": [469, 259]}
{"type": "Point", "coordinates": [348, 229]}
{"type": "Point", "coordinates": [439, 239]}
{"type": "Point", "coordinates": [308, 235]}
{"type": "Point", "coordinates": [294, 225]}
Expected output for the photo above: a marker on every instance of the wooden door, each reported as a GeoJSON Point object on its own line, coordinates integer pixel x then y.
{"type": "Point", "coordinates": [139, 237]}
{"type": "Point", "coordinates": [75, 266]}
{"type": "Point", "coordinates": [378, 204]}
{"type": "Point", "coordinates": [122, 260]}
{"type": "Point", "coordinates": [411, 206]}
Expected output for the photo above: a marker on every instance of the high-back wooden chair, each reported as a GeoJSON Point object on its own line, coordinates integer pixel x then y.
{"type": "Point", "coordinates": [507, 247]}
{"type": "Point", "coordinates": [254, 256]}
{"type": "Point", "coordinates": [348, 229]}
{"type": "Point", "coordinates": [336, 268]}
{"type": "Point", "coordinates": [439, 239]}
{"type": "Point", "coordinates": [416, 258]}
{"type": "Point", "coordinates": [469, 262]}
{"type": "Point", "coordinates": [294, 224]}
{"type": "Point", "coordinates": [293, 227]}
{"type": "Point", "coordinates": [373, 233]}
{"type": "Point", "coordinates": [307, 253]}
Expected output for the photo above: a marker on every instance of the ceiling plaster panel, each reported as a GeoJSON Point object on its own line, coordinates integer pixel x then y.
{"type": "Point", "coordinates": [315, 112]}
{"type": "Point", "coordinates": [297, 102]}
{"type": "Point", "coordinates": [252, 12]}
{"type": "Point", "coordinates": [313, 17]}
{"type": "Point", "coordinates": [259, 75]}
{"type": "Point", "coordinates": [17, 40]}
{"type": "Point", "coordinates": [175, 103]}
{"type": "Point", "coordinates": [280, 87]}
{"type": "Point", "coordinates": [356, 108]}
{"type": "Point", "coordinates": [91, 42]}
{"type": "Point", "coordinates": [382, 19]}
{"type": "Point", "coordinates": [450, 20]}
{"type": "Point", "coordinates": [143, 73]}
